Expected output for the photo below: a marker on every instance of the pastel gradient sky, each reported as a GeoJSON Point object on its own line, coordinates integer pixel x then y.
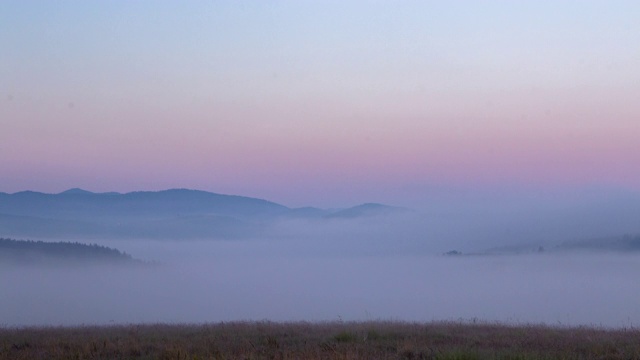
{"type": "Point", "coordinates": [321, 103]}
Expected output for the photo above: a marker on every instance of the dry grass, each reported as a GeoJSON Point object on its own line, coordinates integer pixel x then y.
{"type": "Point", "coordinates": [337, 340]}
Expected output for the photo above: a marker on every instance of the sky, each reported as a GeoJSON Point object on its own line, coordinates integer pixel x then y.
{"type": "Point", "coordinates": [324, 103]}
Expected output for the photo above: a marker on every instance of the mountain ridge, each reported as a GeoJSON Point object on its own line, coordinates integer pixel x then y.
{"type": "Point", "coordinates": [172, 213]}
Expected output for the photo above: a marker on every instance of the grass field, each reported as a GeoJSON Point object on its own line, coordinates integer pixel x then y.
{"type": "Point", "coordinates": [335, 340]}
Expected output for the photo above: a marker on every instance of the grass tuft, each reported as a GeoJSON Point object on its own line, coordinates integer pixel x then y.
{"type": "Point", "coordinates": [345, 337]}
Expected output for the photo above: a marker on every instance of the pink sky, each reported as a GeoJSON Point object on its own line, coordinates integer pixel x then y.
{"type": "Point", "coordinates": [270, 101]}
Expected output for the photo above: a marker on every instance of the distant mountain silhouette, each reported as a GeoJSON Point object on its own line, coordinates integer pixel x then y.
{"type": "Point", "coordinates": [79, 204]}
{"type": "Point", "coordinates": [168, 214]}
{"type": "Point", "coordinates": [31, 226]}
{"type": "Point", "coordinates": [365, 210]}
{"type": "Point", "coordinates": [76, 191]}
{"type": "Point", "coordinates": [306, 212]}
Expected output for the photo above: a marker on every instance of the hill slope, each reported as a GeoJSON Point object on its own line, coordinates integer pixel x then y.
{"type": "Point", "coordinates": [25, 252]}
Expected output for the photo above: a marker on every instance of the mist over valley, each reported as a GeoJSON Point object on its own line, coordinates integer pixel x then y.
{"type": "Point", "coordinates": [206, 257]}
{"type": "Point", "coordinates": [319, 179]}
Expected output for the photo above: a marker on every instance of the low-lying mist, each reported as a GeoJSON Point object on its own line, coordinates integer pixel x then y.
{"type": "Point", "coordinates": [301, 266]}
{"type": "Point", "coordinates": [211, 281]}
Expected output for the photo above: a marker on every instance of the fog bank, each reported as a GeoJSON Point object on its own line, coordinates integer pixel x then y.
{"type": "Point", "coordinates": [227, 283]}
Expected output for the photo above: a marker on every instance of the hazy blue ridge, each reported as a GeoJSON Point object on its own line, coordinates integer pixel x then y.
{"type": "Point", "coordinates": [168, 214]}
{"type": "Point", "coordinates": [78, 203]}
{"type": "Point", "coordinates": [367, 209]}
{"type": "Point", "coordinates": [76, 191]}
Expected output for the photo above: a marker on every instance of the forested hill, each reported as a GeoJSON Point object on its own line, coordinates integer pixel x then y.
{"type": "Point", "coordinates": [34, 252]}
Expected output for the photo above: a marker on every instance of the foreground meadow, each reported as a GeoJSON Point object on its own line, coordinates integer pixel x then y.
{"type": "Point", "coordinates": [335, 340]}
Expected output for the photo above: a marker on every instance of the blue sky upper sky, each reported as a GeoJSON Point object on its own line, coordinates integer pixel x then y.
{"type": "Point", "coordinates": [309, 102]}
